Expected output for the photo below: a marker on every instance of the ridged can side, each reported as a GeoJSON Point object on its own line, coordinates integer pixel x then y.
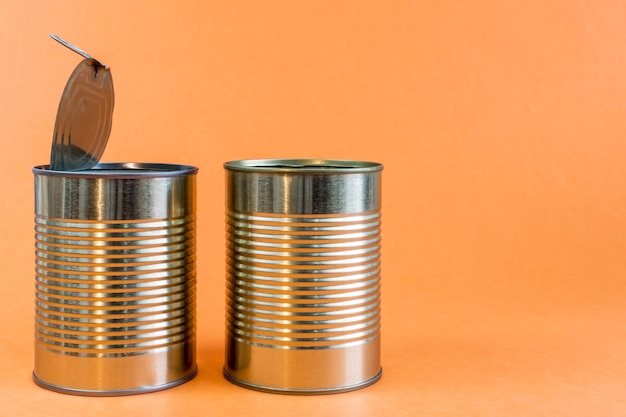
{"type": "Point", "coordinates": [303, 281]}
{"type": "Point", "coordinates": [115, 278]}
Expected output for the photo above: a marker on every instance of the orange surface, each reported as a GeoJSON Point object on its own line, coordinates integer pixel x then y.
{"type": "Point", "coordinates": [503, 132]}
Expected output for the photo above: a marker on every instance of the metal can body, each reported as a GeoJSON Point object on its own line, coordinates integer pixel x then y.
{"type": "Point", "coordinates": [303, 275]}
{"type": "Point", "coordinates": [115, 278]}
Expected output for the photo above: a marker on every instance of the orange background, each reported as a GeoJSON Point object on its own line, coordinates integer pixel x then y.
{"type": "Point", "coordinates": [502, 127]}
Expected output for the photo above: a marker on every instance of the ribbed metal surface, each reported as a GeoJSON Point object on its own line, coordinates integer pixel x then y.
{"type": "Point", "coordinates": [303, 275]}
{"type": "Point", "coordinates": [114, 288]}
{"type": "Point", "coordinates": [303, 282]}
{"type": "Point", "coordinates": [115, 278]}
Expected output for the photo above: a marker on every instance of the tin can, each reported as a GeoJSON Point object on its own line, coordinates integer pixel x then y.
{"type": "Point", "coordinates": [115, 278]}
{"type": "Point", "coordinates": [303, 275]}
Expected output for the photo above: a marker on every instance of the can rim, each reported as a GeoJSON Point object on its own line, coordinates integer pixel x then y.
{"type": "Point", "coordinates": [122, 170]}
{"type": "Point", "coordinates": [116, 392]}
{"type": "Point", "coordinates": [317, 166]}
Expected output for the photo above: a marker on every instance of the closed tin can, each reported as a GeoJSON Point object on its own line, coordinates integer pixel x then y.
{"type": "Point", "coordinates": [115, 278]}
{"type": "Point", "coordinates": [303, 275]}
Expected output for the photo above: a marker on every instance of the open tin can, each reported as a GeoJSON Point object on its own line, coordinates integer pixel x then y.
{"type": "Point", "coordinates": [115, 278]}
{"type": "Point", "coordinates": [303, 275]}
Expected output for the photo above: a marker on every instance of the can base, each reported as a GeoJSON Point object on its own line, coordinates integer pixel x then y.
{"type": "Point", "coordinates": [288, 391]}
{"type": "Point", "coordinates": [114, 393]}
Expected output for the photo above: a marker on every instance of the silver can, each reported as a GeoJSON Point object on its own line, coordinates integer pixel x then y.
{"type": "Point", "coordinates": [115, 278]}
{"type": "Point", "coordinates": [303, 275]}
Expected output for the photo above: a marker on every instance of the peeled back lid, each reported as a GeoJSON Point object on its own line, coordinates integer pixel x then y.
{"type": "Point", "coordinates": [84, 118]}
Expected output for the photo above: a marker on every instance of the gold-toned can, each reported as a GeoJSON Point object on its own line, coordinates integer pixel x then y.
{"type": "Point", "coordinates": [303, 275]}
{"type": "Point", "coordinates": [115, 278]}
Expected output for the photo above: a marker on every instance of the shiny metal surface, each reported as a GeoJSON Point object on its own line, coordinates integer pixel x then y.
{"type": "Point", "coordinates": [72, 47]}
{"type": "Point", "coordinates": [115, 278]}
{"type": "Point", "coordinates": [84, 117]}
{"type": "Point", "coordinates": [303, 275]}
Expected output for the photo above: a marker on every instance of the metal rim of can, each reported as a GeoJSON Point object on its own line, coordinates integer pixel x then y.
{"type": "Point", "coordinates": [122, 170]}
{"type": "Point", "coordinates": [319, 166]}
{"type": "Point", "coordinates": [115, 393]}
{"type": "Point", "coordinates": [289, 391]}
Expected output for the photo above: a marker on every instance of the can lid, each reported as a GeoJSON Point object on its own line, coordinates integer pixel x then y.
{"type": "Point", "coordinates": [307, 166]}
{"type": "Point", "coordinates": [84, 118]}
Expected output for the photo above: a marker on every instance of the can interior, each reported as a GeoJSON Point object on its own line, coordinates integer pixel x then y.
{"type": "Point", "coordinates": [123, 169]}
